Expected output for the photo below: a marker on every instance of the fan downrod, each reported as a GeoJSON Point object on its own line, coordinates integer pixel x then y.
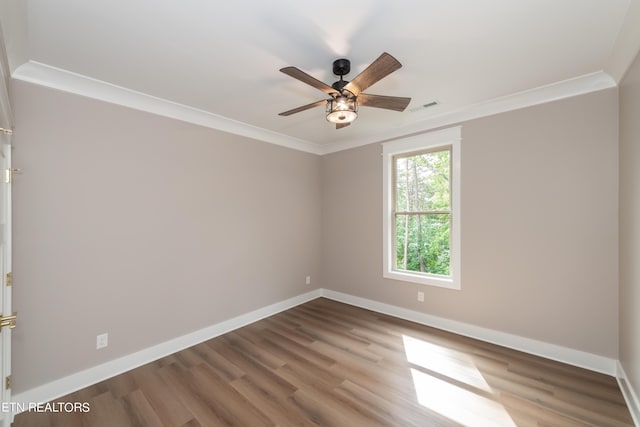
{"type": "Point", "coordinates": [341, 67]}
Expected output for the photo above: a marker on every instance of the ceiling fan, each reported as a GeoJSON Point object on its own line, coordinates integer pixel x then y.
{"type": "Point", "coordinates": [346, 97]}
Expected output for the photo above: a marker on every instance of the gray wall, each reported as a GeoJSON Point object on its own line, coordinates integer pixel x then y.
{"type": "Point", "coordinates": [124, 220]}
{"type": "Point", "coordinates": [630, 224]}
{"type": "Point", "coordinates": [539, 225]}
{"type": "Point", "coordinates": [146, 228]}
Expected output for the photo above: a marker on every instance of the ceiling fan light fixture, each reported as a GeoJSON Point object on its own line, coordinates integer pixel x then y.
{"type": "Point", "coordinates": [342, 110]}
{"type": "Point", "coordinates": [345, 96]}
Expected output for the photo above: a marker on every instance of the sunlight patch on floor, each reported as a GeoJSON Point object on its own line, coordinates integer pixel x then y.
{"type": "Point", "coordinates": [444, 361]}
{"type": "Point", "coordinates": [454, 402]}
{"type": "Point", "coordinates": [459, 404]}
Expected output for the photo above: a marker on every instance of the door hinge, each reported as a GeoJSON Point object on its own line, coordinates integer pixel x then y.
{"type": "Point", "coordinates": [8, 174]}
{"type": "Point", "coordinates": [9, 321]}
{"type": "Point", "coordinates": [7, 382]}
{"type": "Point", "coordinates": [9, 280]}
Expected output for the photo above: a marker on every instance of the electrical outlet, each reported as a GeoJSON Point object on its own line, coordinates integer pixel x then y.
{"type": "Point", "coordinates": [421, 296]}
{"type": "Point", "coordinates": [102, 341]}
{"type": "Point", "coordinates": [308, 280]}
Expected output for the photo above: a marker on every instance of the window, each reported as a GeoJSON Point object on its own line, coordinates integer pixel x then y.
{"type": "Point", "coordinates": [422, 209]}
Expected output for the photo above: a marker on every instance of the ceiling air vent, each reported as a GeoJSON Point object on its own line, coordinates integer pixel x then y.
{"type": "Point", "coordinates": [423, 106]}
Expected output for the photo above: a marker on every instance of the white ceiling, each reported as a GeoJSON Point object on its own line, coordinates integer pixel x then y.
{"type": "Point", "coordinates": [223, 57]}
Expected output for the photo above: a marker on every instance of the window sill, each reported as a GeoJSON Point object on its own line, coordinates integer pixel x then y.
{"type": "Point", "coordinates": [423, 279]}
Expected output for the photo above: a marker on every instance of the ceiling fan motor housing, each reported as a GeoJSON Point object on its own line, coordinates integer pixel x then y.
{"type": "Point", "coordinates": [339, 85]}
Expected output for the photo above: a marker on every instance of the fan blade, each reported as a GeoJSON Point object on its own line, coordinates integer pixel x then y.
{"type": "Point", "coordinates": [395, 103]}
{"type": "Point", "coordinates": [379, 69]}
{"type": "Point", "coordinates": [296, 73]}
{"type": "Point", "coordinates": [342, 125]}
{"type": "Point", "coordinates": [304, 107]}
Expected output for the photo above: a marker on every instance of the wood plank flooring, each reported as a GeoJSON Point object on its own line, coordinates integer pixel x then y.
{"type": "Point", "coordinates": [325, 363]}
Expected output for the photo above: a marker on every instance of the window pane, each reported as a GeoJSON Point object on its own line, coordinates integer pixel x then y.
{"type": "Point", "coordinates": [422, 182]}
{"type": "Point", "coordinates": [422, 243]}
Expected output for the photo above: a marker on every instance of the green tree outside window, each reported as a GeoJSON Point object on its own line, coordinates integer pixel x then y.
{"type": "Point", "coordinates": [422, 211]}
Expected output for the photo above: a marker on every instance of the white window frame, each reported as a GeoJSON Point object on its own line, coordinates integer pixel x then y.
{"type": "Point", "coordinates": [428, 141]}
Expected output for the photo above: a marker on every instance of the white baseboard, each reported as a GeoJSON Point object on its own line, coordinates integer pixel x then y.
{"type": "Point", "coordinates": [567, 355]}
{"type": "Point", "coordinates": [90, 376]}
{"type": "Point", "coordinates": [630, 396]}
{"type": "Point", "coordinates": [87, 377]}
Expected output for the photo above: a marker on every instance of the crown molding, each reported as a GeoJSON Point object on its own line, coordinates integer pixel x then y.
{"type": "Point", "coordinates": [553, 92]}
{"type": "Point", "coordinates": [627, 45]}
{"type": "Point", "coordinates": [67, 81]}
